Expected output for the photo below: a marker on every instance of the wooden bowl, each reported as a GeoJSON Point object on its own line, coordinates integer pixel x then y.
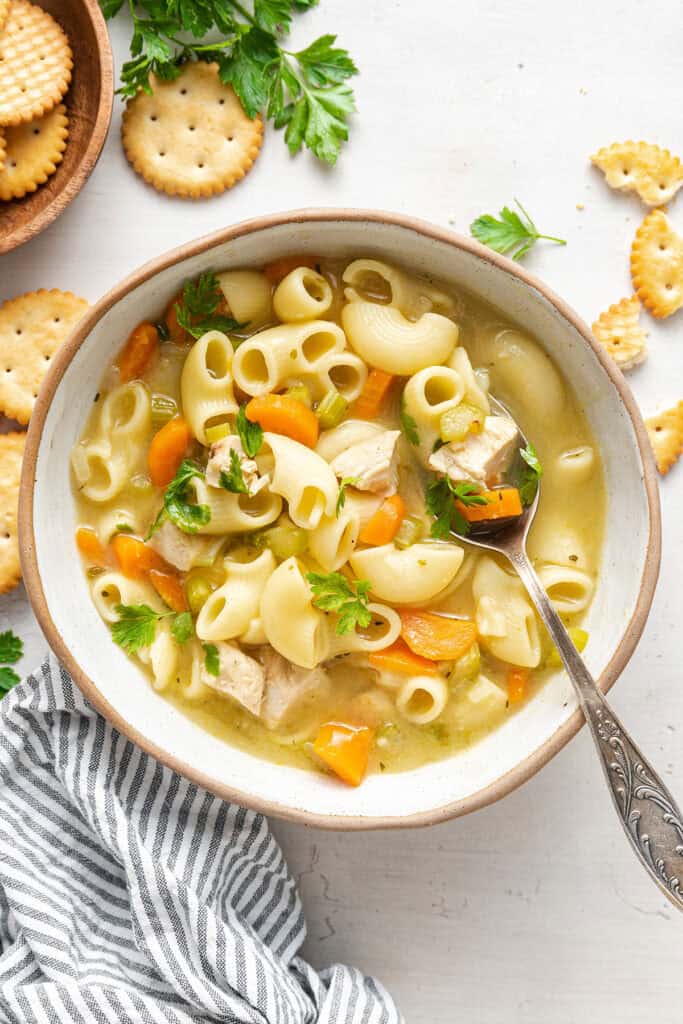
{"type": "Point", "coordinates": [89, 103]}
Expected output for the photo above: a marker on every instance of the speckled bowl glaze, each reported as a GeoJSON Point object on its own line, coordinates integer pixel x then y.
{"type": "Point", "coordinates": [119, 689]}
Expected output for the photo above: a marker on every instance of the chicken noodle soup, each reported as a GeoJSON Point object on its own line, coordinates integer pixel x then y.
{"type": "Point", "coordinates": [272, 492]}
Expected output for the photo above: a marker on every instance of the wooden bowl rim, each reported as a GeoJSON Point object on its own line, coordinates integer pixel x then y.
{"type": "Point", "coordinates": [529, 765]}
{"type": "Point", "coordinates": [91, 154]}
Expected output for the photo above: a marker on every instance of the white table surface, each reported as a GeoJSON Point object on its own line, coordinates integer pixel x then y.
{"type": "Point", "coordinates": [533, 910]}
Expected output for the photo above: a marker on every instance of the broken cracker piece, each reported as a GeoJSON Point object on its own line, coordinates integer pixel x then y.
{"type": "Point", "coordinates": [619, 331]}
{"type": "Point", "coordinates": [666, 436]}
{"type": "Point", "coordinates": [650, 171]}
{"type": "Point", "coordinates": [657, 265]}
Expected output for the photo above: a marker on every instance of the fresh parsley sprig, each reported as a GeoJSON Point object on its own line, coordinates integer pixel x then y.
{"type": "Point", "coordinates": [196, 311]}
{"type": "Point", "coordinates": [335, 593]}
{"type": "Point", "coordinates": [212, 659]}
{"type": "Point", "coordinates": [530, 476]}
{"type": "Point", "coordinates": [408, 424]}
{"type": "Point", "coordinates": [233, 479]}
{"type": "Point", "coordinates": [347, 481]}
{"type": "Point", "coordinates": [187, 517]}
{"type": "Point", "coordinates": [513, 231]}
{"type": "Point", "coordinates": [137, 624]}
{"type": "Point", "coordinates": [11, 650]}
{"type": "Point", "coordinates": [250, 433]}
{"type": "Point", "coordinates": [440, 499]}
{"type": "Point", "coordinates": [302, 91]}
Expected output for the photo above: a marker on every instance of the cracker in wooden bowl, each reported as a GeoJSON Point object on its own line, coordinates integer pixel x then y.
{"type": "Point", "coordinates": [191, 137]}
{"type": "Point", "coordinates": [619, 330]}
{"type": "Point", "coordinates": [657, 265]}
{"type": "Point", "coordinates": [3, 148]}
{"type": "Point", "coordinates": [35, 63]}
{"type": "Point", "coordinates": [650, 171]}
{"type": "Point", "coordinates": [11, 452]}
{"type": "Point", "coordinates": [666, 436]}
{"type": "Point", "coordinates": [32, 327]}
{"type": "Point", "coordinates": [33, 151]}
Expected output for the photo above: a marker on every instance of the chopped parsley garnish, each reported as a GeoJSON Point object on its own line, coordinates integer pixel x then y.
{"type": "Point", "coordinates": [233, 479]}
{"type": "Point", "coordinates": [531, 473]}
{"type": "Point", "coordinates": [182, 627]}
{"type": "Point", "coordinates": [137, 624]}
{"type": "Point", "coordinates": [335, 593]}
{"type": "Point", "coordinates": [408, 425]}
{"type": "Point", "coordinates": [440, 501]}
{"type": "Point", "coordinates": [347, 481]}
{"type": "Point", "coordinates": [196, 311]}
{"type": "Point", "coordinates": [212, 661]}
{"type": "Point", "coordinates": [8, 679]}
{"type": "Point", "coordinates": [513, 231]}
{"type": "Point", "coordinates": [187, 517]}
{"type": "Point", "coordinates": [250, 433]}
{"type": "Point", "coordinates": [11, 647]}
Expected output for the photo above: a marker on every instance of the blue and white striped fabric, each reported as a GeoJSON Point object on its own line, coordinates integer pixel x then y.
{"type": "Point", "coordinates": [127, 894]}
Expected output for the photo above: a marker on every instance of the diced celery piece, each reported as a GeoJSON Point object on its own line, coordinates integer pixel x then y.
{"type": "Point", "coordinates": [141, 484]}
{"type": "Point", "coordinates": [217, 432]}
{"type": "Point", "coordinates": [284, 541]}
{"type": "Point", "coordinates": [466, 667]}
{"type": "Point", "coordinates": [164, 408]}
{"type": "Point", "coordinates": [457, 423]}
{"type": "Point", "coordinates": [331, 409]}
{"type": "Point", "coordinates": [197, 589]}
{"type": "Point", "coordinates": [579, 638]}
{"type": "Point", "coordinates": [301, 393]}
{"type": "Point", "coordinates": [409, 532]}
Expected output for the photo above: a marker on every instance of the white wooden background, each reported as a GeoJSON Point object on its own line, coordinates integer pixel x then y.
{"type": "Point", "coordinates": [533, 910]}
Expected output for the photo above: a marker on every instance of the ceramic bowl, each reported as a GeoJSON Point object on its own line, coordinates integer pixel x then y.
{"type": "Point", "coordinates": [455, 786]}
{"type": "Point", "coordinates": [89, 103]}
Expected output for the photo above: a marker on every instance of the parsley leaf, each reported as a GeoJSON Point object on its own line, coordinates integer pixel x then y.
{"type": "Point", "coordinates": [335, 593]}
{"type": "Point", "coordinates": [182, 627]}
{"type": "Point", "coordinates": [8, 679]}
{"type": "Point", "coordinates": [212, 661]}
{"type": "Point", "coordinates": [408, 425]}
{"type": "Point", "coordinates": [531, 473]}
{"type": "Point", "coordinates": [250, 433]}
{"type": "Point", "coordinates": [11, 647]}
{"type": "Point", "coordinates": [196, 311]}
{"type": "Point", "coordinates": [233, 478]}
{"type": "Point", "coordinates": [136, 626]}
{"type": "Point", "coordinates": [347, 481]}
{"type": "Point", "coordinates": [513, 231]}
{"type": "Point", "coordinates": [186, 517]}
{"type": "Point", "coordinates": [440, 501]}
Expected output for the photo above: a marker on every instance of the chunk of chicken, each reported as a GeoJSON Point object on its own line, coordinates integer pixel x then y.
{"type": "Point", "coordinates": [480, 458]}
{"type": "Point", "coordinates": [288, 687]}
{"type": "Point", "coordinates": [373, 463]}
{"type": "Point", "coordinates": [219, 461]}
{"type": "Point", "coordinates": [179, 549]}
{"type": "Point", "coordinates": [240, 677]}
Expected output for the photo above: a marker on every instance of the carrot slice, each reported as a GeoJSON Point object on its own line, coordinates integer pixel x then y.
{"type": "Point", "coordinates": [167, 450]}
{"type": "Point", "coordinates": [139, 351]}
{"type": "Point", "coordinates": [135, 558]}
{"type": "Point", "coordinates": [518, 684]}
{"type": "Point", "coordinates": [502, 503]}
{"type": "Point", "coordinates": [170, 589]}
{"type": "Point", "coordinates": [435, 636]}
{"type": "Point", "coordinates": [399, 658]}
{"type": "Point", "coordinates": [278, 269]}
{"type": "Point", "coordinates": [90, 546]}
{"type": "Point", "coordinates": [368, 404]}
{"type": "Point", "coordinates": [345, 749]}
{"type": "Point", "coordinates": [386, 522]}
{"type": "Point", "coordinates": [281, 414]}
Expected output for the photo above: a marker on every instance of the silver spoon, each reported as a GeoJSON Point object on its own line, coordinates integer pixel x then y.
{"type": "Point", "coordinates": [647, 811]}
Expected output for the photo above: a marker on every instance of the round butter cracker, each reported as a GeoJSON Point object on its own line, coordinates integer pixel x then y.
{"type": "Point", "coordinates": [4, 11]}
{"type": "Point", "coordinates": [35, 63]}
{"type": "Point", "coordinates": [666, 436]}
{"type": "Point", "coordinates": [11, 453]}
{"type": "Point", "coordinates": [32, 327]}
{"type": "Point", "coordinates": [191, 137]}
{"type": "Point", "coordinates": [618, 330]}
{"type": "Point", "coordinates": [657, 265]}
{"type": "Point", "coordinates": [33, 151]}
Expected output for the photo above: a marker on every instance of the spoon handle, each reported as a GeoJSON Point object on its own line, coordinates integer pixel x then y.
{"type": "Point", "coordinates": [646, 808]}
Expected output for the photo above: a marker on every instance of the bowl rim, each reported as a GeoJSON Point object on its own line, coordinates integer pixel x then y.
{"type": "Point", "coordinates": [529, 765]}
{"type": "Point", "coordinates": [92, 151]}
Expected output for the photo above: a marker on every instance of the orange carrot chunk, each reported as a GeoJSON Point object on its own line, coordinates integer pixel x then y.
{"type": "Point", "coordinates": [175, 331]}
{"type": "Point", "coordinates": [435, 636]}
{"type": "Point", "coordinates": [369, 403]}
{"type": "Point", "coordinates": [502, 503]}
{"type": "Point", "coordinates": [170, 589]}
{"type": "Point", "coordinates": [139, 351]}
{"type": "Point", "coordinates": [281, 414]}
{"type": "Point", "coordinates": [167, 450]}
{"type": "Point", "coordinates": [399, 658]}
{"type": "Point", "coordinates": [385, 524]}
{"type": "Point", "coordinates": [278, 269]}
{"type": "Point", "coordinates": [135, 558]}
{"type": "Point", "coordinates": [90, 546]}
{"type": "Point", "coordinates": [518, 684]}
{"type": "Point", "coordinates": [345, 750]}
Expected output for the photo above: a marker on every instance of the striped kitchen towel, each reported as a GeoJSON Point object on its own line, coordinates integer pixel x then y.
{"type": "Point", "coordinates": [128, 894]}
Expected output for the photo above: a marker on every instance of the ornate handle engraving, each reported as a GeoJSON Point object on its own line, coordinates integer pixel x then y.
{"type": "Point", "coordinates": [648, 812]}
